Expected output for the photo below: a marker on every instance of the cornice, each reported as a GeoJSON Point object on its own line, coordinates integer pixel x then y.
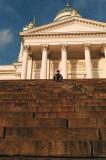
{"type": "Point", "coordinates": [53, 25]}
{"type": "Point", "coordinates": [65, 35]}
{"type": "Point", "coordinates": [9, 71]}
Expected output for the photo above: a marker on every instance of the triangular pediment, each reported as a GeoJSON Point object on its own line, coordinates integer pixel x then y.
{"type": "Point", "coordinates": [75, 27]}
{"type": "Point", "coordinates": [74, 24]}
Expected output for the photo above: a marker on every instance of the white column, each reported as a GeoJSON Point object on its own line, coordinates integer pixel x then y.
{"type": "Point", "coordinates": [44, 62]}
{"type": "Point", "coordinates": [48, 68]}
{"type": "Point", "coordinates": [104, 64]}
{"type": "Point", "coordinates": [29, 70]}
{"type": "Point", "coordinates": [25, 61]}
{"type": "Point", "coordinates": [64, 60]}
{"type": "Point", "coordinates": [88, 61]}
{"type": "Point", "coordinates": [104, 49]}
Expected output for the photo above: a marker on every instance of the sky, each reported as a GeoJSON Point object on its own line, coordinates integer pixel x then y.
{"type": "Point", "coordinates": [16, 14]}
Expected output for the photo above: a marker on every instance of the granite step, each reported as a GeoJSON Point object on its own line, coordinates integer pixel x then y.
{"type": "Point", "coordinates": [60, 134]}
{"type": "Point", "coordinates": [90, 108]}
{"type": "Point", "coordinates": [86, 122]}
{"type": "Point", "coordinates": [31, 122]}
{"type": "Point", "coordinates": [70, 115]}
{"type": "Point", "coordinates": [46, 148]}
{"type": "Point", "coordinates": [46, 158]}
{"type": "Point", "coordinates": [35, 109]}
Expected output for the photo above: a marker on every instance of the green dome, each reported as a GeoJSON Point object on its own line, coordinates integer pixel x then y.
{"type": "Point", "coordinates": [66, 10]}
{"type": "Point", "coordinates": [67, 13]}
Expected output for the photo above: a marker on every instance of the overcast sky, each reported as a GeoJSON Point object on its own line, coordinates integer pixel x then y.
{"type": "Point", "coordinates": [16, 14]}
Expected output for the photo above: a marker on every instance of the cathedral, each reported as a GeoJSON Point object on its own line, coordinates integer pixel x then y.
{"type": "Point", "coordinates": [72, 44]}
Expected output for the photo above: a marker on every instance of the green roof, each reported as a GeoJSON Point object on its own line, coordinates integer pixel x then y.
{"type": "Point", "coordinates": [67, 10]}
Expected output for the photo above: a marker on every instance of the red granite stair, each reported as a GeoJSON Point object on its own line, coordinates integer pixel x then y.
{"type": "Point", "coordinates": [47, 120]}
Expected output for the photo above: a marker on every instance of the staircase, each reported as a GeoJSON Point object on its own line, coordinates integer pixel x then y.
{"type": "Point", "coordinates": [47, 120]}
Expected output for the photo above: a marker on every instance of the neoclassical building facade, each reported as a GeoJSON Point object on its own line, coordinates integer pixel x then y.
{"type": "Point", "coordinates": [74, 45]}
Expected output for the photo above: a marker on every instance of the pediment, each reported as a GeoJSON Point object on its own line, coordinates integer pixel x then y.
{"type": "Point", "coordinates": [76, 27]}
{"type": "Point", "coordinates": [69, 25]}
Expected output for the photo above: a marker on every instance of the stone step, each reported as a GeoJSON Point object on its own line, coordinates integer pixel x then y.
{"type": "Point", "coordinates": [60, 134]}
{"type": "Point", "coordinates": [62, 115]}
{"type": "Point", "coordinates": [103, 133]}
{"type": "Point", "coordinates": [86, 122]}
{"type": "Point", "coordinates": [90, 108]}
{"type": "Point", "coordinates": [26, 122]}
{"type": "Point", "coordinates": [46, 148]}
{"type": "Point", "coordinates": [56, 100]}
{"type": "Point", "coordinates": [35, 109]}
{"type": "Point", "coordinates": [99, 148]}
{"type": "Point", "coordinates": [15, 115]}
{"type": "Point", "coordinates": [58, 108]}
{"type": "Point", "coordinates": [46, 158]}
{"type": "Point", "coordinates": [54, 90]}
{"type": "Point", "coordinates": [48, 96]}
{"type": "Point", "coordinates": [70, 115]}
{"type": "Point", "coordinates": [83, 122]}
{"type": "Point", "coordinates": [71, 122]}
{"type": "Point", "coordinates": [1, 132]}
{"type": "Point", "coordinates": [102, 123]}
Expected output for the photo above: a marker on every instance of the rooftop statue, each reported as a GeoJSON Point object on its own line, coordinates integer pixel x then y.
{"type": "Point", "coordinates": [73, 13]}
{"type": "Point", "coordinates": [31, 25]}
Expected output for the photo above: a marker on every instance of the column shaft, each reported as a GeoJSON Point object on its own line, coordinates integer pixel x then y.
{"type": "Point", "coordinates": [64, 61]}
{"type": "Point", "coordinates": [88, 61]}
{"type": "Point", "coordinates": [104, 65]}
{"type": "Point", "coordinates": [24, 63]}
{"type": "Point", "coordinates": [104, 48]}
{"type": "Point", "coordinates": [44, 62]}
{"type": "Point", "coordinates": [48, 70]}
{"type": "Point", "coordinates": [29, 70]}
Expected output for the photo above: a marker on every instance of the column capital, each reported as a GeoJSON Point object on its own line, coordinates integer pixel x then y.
{"type": "Point", "coordinates": [44, 47]}
{"type": "Point", "coordinates": [29, 57]}
{"type": "Point", "coordinates": [104, 45]}
{"type": "Point", "coordinates": [26, 48]}
{"type": "Point", "coordinates": [64, 46]}
{"type": "Point", "coordinates": [86, 46]}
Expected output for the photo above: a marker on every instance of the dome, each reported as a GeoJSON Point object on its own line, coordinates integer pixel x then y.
{"type": "Point", "coordinates": [67, 13]}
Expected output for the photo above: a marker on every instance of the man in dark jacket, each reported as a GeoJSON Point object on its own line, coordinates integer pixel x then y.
{"type": "Point", "coordinates": [58, 77]}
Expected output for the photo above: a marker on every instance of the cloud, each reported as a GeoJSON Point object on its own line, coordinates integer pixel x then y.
{"type": "Point", "coordinates": [6, 37]}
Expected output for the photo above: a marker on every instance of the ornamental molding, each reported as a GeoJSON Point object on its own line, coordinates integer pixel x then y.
{"type": "Point", "coordinates": [66, 35]}
{"type": "Point", "coordinates": [6, 73]}
{"type": "Point", "coordinates": [26, 48]}
{"type": "Point", "coordinates": [65, 22]}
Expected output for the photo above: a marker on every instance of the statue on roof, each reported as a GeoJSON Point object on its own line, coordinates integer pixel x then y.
{"type": "Point", "coordinates": [73, 13]}
{"type": "Point", "coordinates": [32, 24]}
